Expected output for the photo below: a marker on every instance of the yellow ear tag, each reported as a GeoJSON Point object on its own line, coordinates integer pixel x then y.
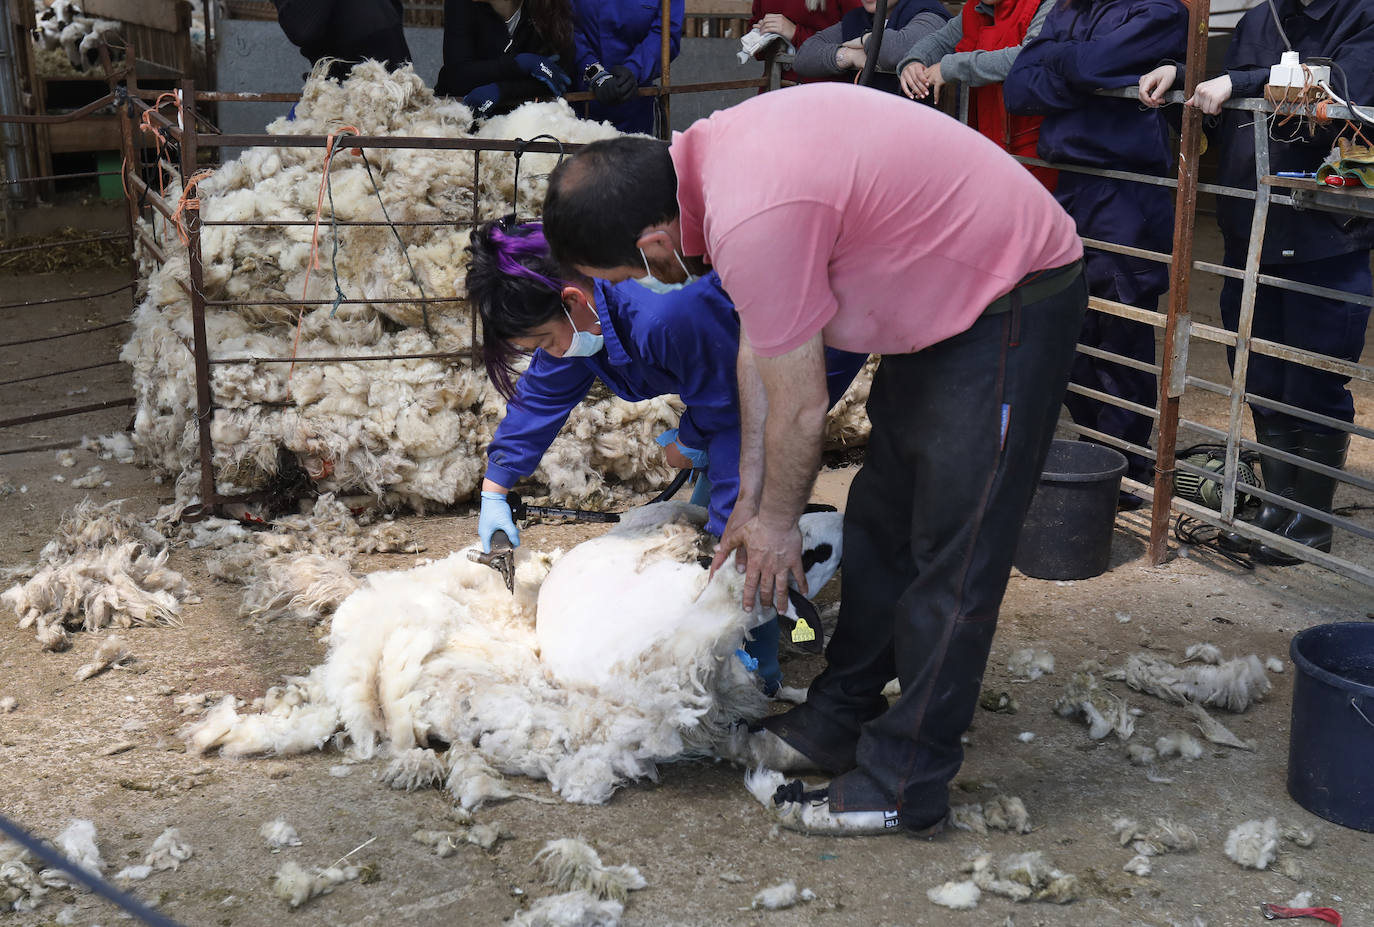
{"type": "Point", "coordinates": [802, 632]}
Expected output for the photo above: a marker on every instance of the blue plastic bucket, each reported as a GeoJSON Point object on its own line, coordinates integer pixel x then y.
{"type": "Point", "coordinates": [1331, 739]}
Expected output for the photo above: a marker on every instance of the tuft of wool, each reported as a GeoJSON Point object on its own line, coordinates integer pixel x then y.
{"type": "Point", "coordinates": [296, 885]}
{"type": "Point", "coordinates": [1138, 865]}
{"type": "Point", "coordinates": [21, 889]}
{"type": "Point", "coordinates": [1100, 710]}
{"type": "Point", "coordinates": [1025, 877]}
{"type": "Point", "coordinates": [446, 842]}
{"type": "Point", "coordinates": [1008, 813]}
{"type": "Point", "coordinates": [1253, 844]}
{"type": "Point", "coordinates": [77, 844]}
{"type": "Point", "coordinates": [297, 587]}
{"type": "Point", "coordinates": [959, 896]}
{"type": "Point", "coordinates": [8, 704]}
{"type": "Point", "coordinates": [279, 834]}
{"type": "Point", "coordinates": [571, 865]}
{"type": "Point", "coordinates": [1273, 665]}
{"type": "Point", "coordinates": [1203, 653]}
{"type": "Point", "coordinates": [417, 768]}
{"type": "Point", "coordinates": [781, 896]}
{"type": "Point", "coordinates": [1141, 755]}
{"type": "Point", "coordinates": [1233, 684]}
{"type": "Point", "coordinates": [169, 851]}
{"type": "Point", "coordinates": [1166, 836]}
{"type": "Point", "coordinates": [110, 653]}
{"type": "Point", "coordinates": [1178, 743]}
{"type": "Point", "coordinates": [570, 909]}
{"type": "Point", "coordinates": [443, 651]}
{"type": "Point", "coordinates": [105, 568]}
{"type": "Point", "coordinates": [1215, 731]}
{"type": "Point", "coordinates": [1029, 663]}
{"type": "Point", "coordinates": [92, 478]}
{"type": "Point", "coordinates": [1302, 899]}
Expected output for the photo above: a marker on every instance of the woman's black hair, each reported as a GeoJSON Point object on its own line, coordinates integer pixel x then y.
{"type": "Point", "coordinates": [553, 19]}
{"type": "Point", "coordinates": [515, 285]}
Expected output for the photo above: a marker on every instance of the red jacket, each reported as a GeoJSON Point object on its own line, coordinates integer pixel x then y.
{"type": "Point", "coordinates": [808, 22]}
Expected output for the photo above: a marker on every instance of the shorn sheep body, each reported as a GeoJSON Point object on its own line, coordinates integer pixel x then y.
{"type": "Point", "coordinates": [443, 652]}
{"type": "Point", "coordinates": [410, 431]}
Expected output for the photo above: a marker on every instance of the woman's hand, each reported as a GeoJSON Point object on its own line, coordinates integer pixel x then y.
{"type": "Point", "coordinates": [778, 24]}
{"type": "Point", "coordinates": [1155, 84]}
{"type": "Point", "coordinates": [848, 58]}
{"type": "Point", "coordinates": [913, 80]}
{"type": "Point", "coordinates": [1210, 94]}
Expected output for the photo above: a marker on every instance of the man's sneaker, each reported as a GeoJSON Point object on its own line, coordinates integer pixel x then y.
{"type": "Point", "coordinates": [808, 810]}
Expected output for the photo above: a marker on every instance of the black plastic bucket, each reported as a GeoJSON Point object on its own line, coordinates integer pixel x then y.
{"type": "Point", "coordinates": [1331, 739]}
{"type": "Point", "coordinates": [1068, 530]}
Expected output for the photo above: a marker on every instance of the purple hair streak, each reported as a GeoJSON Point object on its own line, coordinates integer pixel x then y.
{"type": "Point", "coordinates": [510, 248]}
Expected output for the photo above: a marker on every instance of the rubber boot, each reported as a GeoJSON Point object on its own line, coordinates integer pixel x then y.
{"type": "Point", "coordinates": [1280, 478]}
{"type": "Point", "coordinates": [1312, 489]}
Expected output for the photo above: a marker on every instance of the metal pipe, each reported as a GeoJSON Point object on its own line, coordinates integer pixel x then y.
{"type": "Point", "coordinates": [64, 413]}
{"type": "Point", "coordinates": [205, 409]}
{"type": "Point", "coordinates": [12, 136]}
{"type": "Point", "coordinates": [875, 44]}
{"type": "Point", "coordinates": [666, 49]}
{"type": "Point", "coordinates": [333, 358]}
{"type": "Point", "coordinates": [73, 334]}
{"type": "Point", "coordinates": [1175, 362]}
{"type": "Point", "coordinates": [58, 118]}
{"type": "Point", "coordinates": [64, 299]}
{"type": "Point", "coordinates": [57, 373]}
{"type": "Point", "coordinates": [49, 245]}
{"type": "Point", "coordinates": [79, 175]}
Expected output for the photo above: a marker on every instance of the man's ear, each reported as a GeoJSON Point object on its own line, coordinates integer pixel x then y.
{"type": "Point", "coordinates": [574, 298]}
{"type": "Point", "coordinates": [655, 241]}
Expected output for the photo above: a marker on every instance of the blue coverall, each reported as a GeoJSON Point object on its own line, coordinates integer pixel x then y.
{"type": "Point", "coordinates": [1309, 246]}
{"type": "Point", "coordinates": [629, 33]}
{"type": "Point", "coordinates": [1082, 48]}
{"type": "Point", "coordinates": [683, 342]}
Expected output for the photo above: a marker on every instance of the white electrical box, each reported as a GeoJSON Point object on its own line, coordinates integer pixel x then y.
{"type": "Point", "coordinates": [1290, 72]}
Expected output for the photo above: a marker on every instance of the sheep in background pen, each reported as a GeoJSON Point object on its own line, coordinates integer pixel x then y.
{"type": "Point", "coordinates": [587, 697]}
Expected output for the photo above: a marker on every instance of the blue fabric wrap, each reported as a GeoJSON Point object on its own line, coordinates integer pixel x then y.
{"type": "Point", "coordinates": [684, 342]}
{"type": "Point", "coordinates": [1342, 30]}
{"type": "Point", "coordinates": [627, 32]}
{"type": "Point", "coordinates": [1094, 46]}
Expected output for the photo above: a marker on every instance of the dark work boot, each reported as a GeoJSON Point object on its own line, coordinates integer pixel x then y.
{"type": "Point", "coordinates": [1313, 489]}
{"type": "Point", "coordinates": [1280, 478]}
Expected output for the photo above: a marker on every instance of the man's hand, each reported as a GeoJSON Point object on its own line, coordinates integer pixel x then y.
{"type": "Point", "coordinates": [778, 24]}
{"type": "Point", "coordinates": [1155, 84]}
{"type": "Point", "coordinates": [1210, 94]}
{"type": "Point", "coordinates": [766, 554]}
{"type": "Point", "coordinates": [614, 85]}
{"type": "Point", "coordinates": [915, 83]}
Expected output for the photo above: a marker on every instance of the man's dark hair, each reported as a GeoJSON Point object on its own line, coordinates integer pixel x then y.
{"type": "Point", "coordinates": [602, 198]}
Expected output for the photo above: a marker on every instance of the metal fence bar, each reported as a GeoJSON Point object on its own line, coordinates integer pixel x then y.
{"type": "Point", "coordinates": [61, 243]}
{"type": "Point", "coordinates": [65, 413]}
{"type": "Point", "coordinates": [65, 299]}
{"type": "Point", "coordinates": [57, 373]}
{"type": "Point", "coordinates": [1118, 359]}
{"type": "Point", "coordinates": [73, 334]}
{"type": "Point", "coordinates": [1109, 399]}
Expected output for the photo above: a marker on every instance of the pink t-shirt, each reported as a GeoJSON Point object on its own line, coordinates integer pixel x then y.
{"type": "Point", "coordinates": [882, 223]}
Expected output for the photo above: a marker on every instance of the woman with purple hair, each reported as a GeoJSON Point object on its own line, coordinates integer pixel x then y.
{"type": "Point", "coordinates": [676, 338]}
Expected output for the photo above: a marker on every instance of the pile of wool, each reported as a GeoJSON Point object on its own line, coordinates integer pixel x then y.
{"type": "Point", "coordinates": [1206, 679]}
{"type": "Point", "coordinates": [412, 431]}
{"type": "Point", "coordinates": [1103, 712]}
{"type": "Point", "coordinates": [105, 568]}
{"type": "Point", "coordinates": [443, 652]}
{"type": "Point", "coordinates": [1256, 844]}
{"type": "Point", "coordinates": [302, 568]}
{"type": "Point", "coordinates": [1166, 836]}
{"type": "Point", "coordinates": [1024, 877]}
{"type": "Point", "coordinates": [1002, 812]}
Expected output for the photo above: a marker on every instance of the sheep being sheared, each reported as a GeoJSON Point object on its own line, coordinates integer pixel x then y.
{"type": "Point", "coordinates": [444, 653]}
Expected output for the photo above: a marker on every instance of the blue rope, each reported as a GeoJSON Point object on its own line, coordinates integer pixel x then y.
{"type": "Point", "coordinates": [94, 882]}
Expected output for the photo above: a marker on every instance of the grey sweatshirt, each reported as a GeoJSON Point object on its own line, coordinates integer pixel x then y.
{"type": "Point", "coordinates": [816, 57]}
{"type": "Point", "coordinates": [974, 68]}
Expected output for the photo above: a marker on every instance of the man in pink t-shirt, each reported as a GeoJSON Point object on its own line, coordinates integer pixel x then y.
{"type": "Point", "coordinates": [844, 217]}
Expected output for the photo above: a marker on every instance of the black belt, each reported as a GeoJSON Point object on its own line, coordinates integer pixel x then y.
{"type": "Point", "coordinates": [1041, 284]}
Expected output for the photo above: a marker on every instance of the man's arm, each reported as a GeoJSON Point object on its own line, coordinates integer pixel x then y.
{"type": "Point", "coordinates": [785, 446]}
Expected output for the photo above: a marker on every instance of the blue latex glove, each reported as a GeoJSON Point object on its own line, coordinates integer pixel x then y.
{"type": "Point", "coordinates": [698, 458]}
{"type": "Point", "coordinates": [545, 70]}
{"type": "Point", "coordinates": [481, 99]}
{"type": "Point", "coordinates": [496, 516]}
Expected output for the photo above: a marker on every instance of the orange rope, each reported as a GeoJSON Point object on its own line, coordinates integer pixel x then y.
{"type": "Point", "coordinates": [314, 262]}
{"type": "Point", "coordinates": [187, 200]}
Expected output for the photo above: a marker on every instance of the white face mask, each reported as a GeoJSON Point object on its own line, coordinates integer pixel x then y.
{"type": "Point", "coordinates": [655, 285]}
{"type": "Point", "coordinates": [584, 344]}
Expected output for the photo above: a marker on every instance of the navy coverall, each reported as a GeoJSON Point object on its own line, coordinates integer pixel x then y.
{"type": "Point", "coordinates": [479, 51]}
{"type": "Point", "coordinates": [1082, 48]}
{"type": "Point", "coordinates": [629, 33]}
{"type": "Point", "coordinates": [683, 342]}
{"type": "Point", "coordinates": [1309, 246]}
